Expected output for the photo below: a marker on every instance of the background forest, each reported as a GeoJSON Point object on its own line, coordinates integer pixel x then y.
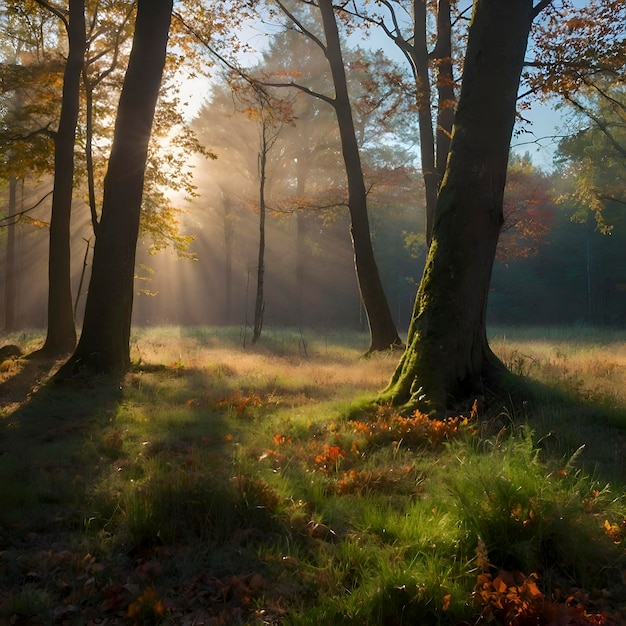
{"type": "Point", "coordinates": [561, 253]}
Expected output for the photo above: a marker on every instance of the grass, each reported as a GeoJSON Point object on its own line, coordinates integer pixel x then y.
{"type": "Point", "coordinates": [224, 485]}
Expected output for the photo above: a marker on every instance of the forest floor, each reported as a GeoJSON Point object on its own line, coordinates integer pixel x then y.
{"type": "Point", "coordinates": [223, 484]}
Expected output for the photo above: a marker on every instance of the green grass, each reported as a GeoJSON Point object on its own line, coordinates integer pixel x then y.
{"type": "Point", "coordinates": [228, 485]}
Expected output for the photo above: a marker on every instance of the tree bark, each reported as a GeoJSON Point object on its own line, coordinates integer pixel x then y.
{"type": "Point", "coordinates": [383, 333]}
{"type": "Point", "coordinates": [104, 345]}
{"type": "Point", "coordinates": [61, 334]}
{"type": "Point", "coordinates": [448, 358]}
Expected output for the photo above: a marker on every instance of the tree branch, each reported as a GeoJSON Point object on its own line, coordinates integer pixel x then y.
{"type": "Point", "coordinates": [611, 198]}
{"type": "Point", "coordinates": [540, 6]}
{"type": "Point", "coordinates": [303, 29]}
{"type": "Point", "coordinates": [62, 14]}
{"type": "Point", "coordinates": [10, 220]}
{"type": "Point", "coordinates": [39, 131]}
{"type": "Point", "coordinates": [302, 88]}
{"type": "Point", "coordinates": [601, 125]}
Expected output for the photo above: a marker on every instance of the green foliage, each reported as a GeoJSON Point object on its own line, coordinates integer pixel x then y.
{"type": "Point", "coordinates": [595, 155]}
{"type": "Point", "coordinates": [528, 516]}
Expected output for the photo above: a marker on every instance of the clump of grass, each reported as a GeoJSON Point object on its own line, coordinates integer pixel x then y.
{"type": "Point", "coordinates": [530, 517]}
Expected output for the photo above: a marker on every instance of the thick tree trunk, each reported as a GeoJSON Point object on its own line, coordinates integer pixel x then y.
{"type": "Point", "coordinates": [104, 343]}
{"type": "Point", "coordinates": [61, 335]}
{"type": "Point", "coordinates": [383, 333]}
{"type": "Point", "coordinates": [448, 358]}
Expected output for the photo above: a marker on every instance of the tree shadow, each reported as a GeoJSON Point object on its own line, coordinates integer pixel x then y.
{"type": "Point", "coordinates": [43, 470]}
{"type": "Point", "coordinates": [586, 431]}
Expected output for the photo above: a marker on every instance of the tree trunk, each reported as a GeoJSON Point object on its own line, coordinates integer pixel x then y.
{"type": "Point", "coordinates": [303, 230]}
{"type": "Point", "coordinates": [259, 305]}
{"type": "Point", "coordinates": [229, 233]}
{"type": "Point", "coordinates": [104, 343]}
{"type": "Point", "coordinates": [303, 227]}
{"type": "Point", "coordinates": [383, 333]}
{"type": "Point", "coordinates": [421, 63]}
{"type": "Point", "coordinates": [446, 101]}
{"type": "Point", "coordinates": [448, 358]}
{"type": "Point", "coordinates": [10, 284]}
{"type": "Point", "coordinates": [61, 335]}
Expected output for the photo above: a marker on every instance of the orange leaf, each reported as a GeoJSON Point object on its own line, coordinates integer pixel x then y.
{"type": "Point", "coordinates": [446, 601]}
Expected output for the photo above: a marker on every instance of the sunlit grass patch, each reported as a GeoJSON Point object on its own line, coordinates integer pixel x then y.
{"type": "Point", "coordinates": [238, 484]}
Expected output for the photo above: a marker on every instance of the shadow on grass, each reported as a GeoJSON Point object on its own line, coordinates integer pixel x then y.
{"type": "Point", "coordinates": [569, 424]}
{"type": "Point", "coordinates": [43, 468]}
{"type": "Point", "coordinates": [134, 471]}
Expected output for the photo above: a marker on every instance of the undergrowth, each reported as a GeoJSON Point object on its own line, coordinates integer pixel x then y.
{"type": "Point", "coordinates": [224, 486]}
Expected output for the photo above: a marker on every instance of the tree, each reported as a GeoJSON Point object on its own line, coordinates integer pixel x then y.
{"type": "Point", "coordinates": [595, 156]}
{"type": "Point", "coordinates": [448, 357]}
{"type": "Point", "coordinates": [61, 334]}
{"type": "Point", "coordinates": [271, 114]}
{"type": "Point", "coordinates": [104, 343]}
{"type": "Point", "coordinates": [30, 78]}
{"type": "Point", "coordinates": [528, 211]}
{"type": "Point", "coordinates": [383, 332]}
{"type": "Point", "coordinates": [305, 166]}
{"type": "Point", "coordinates": [430, 57]}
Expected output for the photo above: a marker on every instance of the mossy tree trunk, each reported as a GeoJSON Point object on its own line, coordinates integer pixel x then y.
{"type": "Point", "coordinates": [104, 343]}
{"type": "Point", "coordinates": [448, 358]}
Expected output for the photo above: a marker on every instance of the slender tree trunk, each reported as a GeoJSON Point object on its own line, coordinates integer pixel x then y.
{"type": "Point", "coordinates": [104, 343]}
{"type": "Point", "coordinates": [229, 232]}
{"type": "Point", "coordinates": [10, 284]}
{"type": "Point", "coordinates": [448, 358]}
{"type": "Point", "coordinates": [89, 165]}
{"type": "Point", "coordinates": [61, 335]}
{"type": "Point", "coordinates": [303, 229]}
{"type": "Point", "coordinates": [259, 305]}
{"type": "Point", "coordinates": [383, 333]}
{"type": "Point", "coordinates": [446, 101]}
{"type": "Point", "coordinates": [421, 65]}
{"type": "Point", "coordinates": [302, 234]}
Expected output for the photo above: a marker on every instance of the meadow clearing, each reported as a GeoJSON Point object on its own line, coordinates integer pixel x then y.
{"type": "Point", "coordinates": [217, 484]}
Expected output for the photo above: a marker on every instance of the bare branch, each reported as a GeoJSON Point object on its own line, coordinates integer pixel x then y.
{"type": "Point", "coordinates": [10, 220]}
{"type": "Point", "coordinates": [302, 88]}
{"type": "Point", "coordinates": [39, 131]}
